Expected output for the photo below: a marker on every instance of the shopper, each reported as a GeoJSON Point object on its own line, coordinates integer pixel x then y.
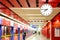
{"type": "Point", "coordinates": [39, 33]}
{"type": "Point", "coordinates": [24, 35]}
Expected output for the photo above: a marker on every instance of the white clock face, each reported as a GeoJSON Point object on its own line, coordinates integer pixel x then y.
{"type": "Point", "coordinates": [46, 9]}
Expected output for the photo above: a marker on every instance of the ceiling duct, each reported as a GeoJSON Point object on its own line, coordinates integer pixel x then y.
{"type": "Point", "coordinates": [10, 3]}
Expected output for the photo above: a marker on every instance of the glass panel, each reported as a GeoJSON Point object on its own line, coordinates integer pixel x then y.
{"type": "Point", "coordinates": [6, 33]}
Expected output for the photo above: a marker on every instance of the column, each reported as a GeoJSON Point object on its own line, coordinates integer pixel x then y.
{"type": "Point", "coordinates": [12, 33]}
{"type": "Point", "coordinates": [18, 33]}
{"type": "Point", "coordinates": [0, 32]}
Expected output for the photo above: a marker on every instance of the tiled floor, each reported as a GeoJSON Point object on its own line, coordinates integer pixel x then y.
{"type": "Point", "coordinates": [37, 37]}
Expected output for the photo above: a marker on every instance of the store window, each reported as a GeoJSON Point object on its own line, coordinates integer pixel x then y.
{"type": "Point", "coordinates": [57, 32]}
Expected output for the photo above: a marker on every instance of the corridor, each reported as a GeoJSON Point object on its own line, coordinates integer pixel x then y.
{"type": "Point", "coordinates": [37, 37]}
{"type": "Point", "coordinates": [25, 19]}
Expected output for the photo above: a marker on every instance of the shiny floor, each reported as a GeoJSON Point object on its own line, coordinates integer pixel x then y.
{"type": "Point", "coordinates": [37, 37]}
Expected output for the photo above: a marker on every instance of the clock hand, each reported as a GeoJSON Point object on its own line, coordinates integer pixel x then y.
{"type": "Point", "coordinates": [45, 10]}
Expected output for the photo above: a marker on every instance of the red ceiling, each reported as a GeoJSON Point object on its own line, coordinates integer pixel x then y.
{"type": "Point", "coordinates": [23, 2]}
{"type": "Point", "coordinates": [4, 3]}
{"type": "Point", "coordinates": [32, 3]}
{"type": "Point", "coordinates": [57, 17]}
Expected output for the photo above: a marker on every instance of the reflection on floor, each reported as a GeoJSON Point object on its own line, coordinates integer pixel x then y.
{"type": "Point", "coordinates": [37, 37]}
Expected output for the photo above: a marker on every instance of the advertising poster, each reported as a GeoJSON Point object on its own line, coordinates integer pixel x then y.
{"type": "Point", "coordinates": [57, 32]}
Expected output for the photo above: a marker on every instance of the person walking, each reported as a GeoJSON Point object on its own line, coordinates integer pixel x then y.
{"type": "Point", "coordinates": [39, 33]}
{"type": "Point", "coordinates": [24, 35]}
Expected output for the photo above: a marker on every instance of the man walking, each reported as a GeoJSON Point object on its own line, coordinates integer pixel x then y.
{"type": "Point", "coordinates": [24, 35]}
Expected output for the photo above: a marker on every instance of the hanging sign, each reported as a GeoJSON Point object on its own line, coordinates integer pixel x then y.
{"type": "Point", "coordinates": [12, 23]}
{"type": "Point", "coordinates": [16, 25]}
{"type": "Point", "coordinates": [21, 27]}
{"type": "Point", "coordinates": [0, 20]}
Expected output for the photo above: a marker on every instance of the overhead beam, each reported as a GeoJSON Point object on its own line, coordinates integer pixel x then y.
{"type": "Point", "coordinates": [28, 3]}
{"type": "Point", "coordinates": [19, 3]}
{"type": "Point", "coordinates": [10, 3]}
{"type": "Point", "coordinates": [58, 4]}
{"type": "Point", "coordinates": [46, 1]}
{"type": "Point", "coordinates": [6, 6]}
{"type": "Point", "coordinates": [37, 3]}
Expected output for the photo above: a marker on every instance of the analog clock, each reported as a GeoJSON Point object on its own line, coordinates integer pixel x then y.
{"type": "Point", "coordinates": [46, 9]}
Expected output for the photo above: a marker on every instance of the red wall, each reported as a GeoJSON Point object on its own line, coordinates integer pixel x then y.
{"type": "Point", "coordinates": [11, 13]}
{"type": "Point", "coordinates": [45, 30]}
{"type": "Point", "coordinates": [5, 22]}
{"type": "Point", "coordinates": [55, 24]}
